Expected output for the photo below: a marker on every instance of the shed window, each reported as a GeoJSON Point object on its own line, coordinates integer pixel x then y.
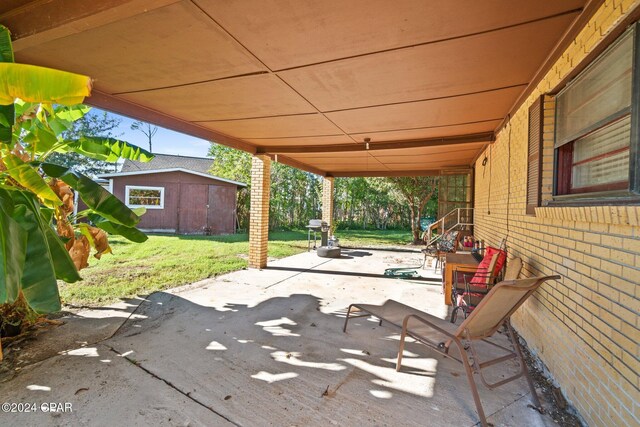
{"type": "Point", "coordinates": [596, 150]}
{"type": "Point", "coordinates": [148, 197]}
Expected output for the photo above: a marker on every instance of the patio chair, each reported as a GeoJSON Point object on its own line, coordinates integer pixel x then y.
{"type": "Point", "coordinates": [493, 312]}
{"type": "Point", "coordinates": [447, 244]}
{"type": "Point", "coordinates": [469, 287]}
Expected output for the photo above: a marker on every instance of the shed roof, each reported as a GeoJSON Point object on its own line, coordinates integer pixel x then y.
{"type": "Point", "coordinates": [151, 171]}
{"type": "Point", "coordinates": [169, 161]}
{"type": "Point", "coordinates": [427, 84]}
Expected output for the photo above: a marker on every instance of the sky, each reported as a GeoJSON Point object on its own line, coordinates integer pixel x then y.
{"type": "Point", "coordinates": [165, 141]}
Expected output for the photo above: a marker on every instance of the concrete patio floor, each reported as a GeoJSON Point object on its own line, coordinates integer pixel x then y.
{"type": "Point", "coordinates": [257, 348]}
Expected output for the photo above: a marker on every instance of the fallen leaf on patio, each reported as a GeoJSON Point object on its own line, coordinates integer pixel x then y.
{"type": "Point", "coordinates": [540, 410]}
{"type": "Point", "coordinates": [325, 392]}
{"type": "Point", "coordinates": [227, 397]}
{"type": "Point", "coordinates": [81, 389]}
{"type": "Point", "coordinates": [366, 352]}
{"type": "Point", "coordinates": [560, 400]}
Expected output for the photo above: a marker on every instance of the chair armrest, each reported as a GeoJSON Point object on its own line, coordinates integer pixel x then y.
{"type": "Point", "coordinates": [488, 281]}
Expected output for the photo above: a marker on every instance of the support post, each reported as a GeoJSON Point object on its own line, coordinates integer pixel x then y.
{"type": "Point", "coordinates": [327, 199]}
{"type": "Point", "coordinates": [259, 215]}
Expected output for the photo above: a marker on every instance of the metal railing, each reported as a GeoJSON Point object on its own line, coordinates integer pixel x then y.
{"type": "Point", "coordinates": [456, 219]}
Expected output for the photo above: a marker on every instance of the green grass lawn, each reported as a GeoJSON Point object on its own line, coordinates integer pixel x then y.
{"type": "Point", "coordinates": [167, 261]}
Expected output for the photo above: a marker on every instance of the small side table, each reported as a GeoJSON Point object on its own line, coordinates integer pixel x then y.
{"type": "Point", "coordinates": [457, 261]}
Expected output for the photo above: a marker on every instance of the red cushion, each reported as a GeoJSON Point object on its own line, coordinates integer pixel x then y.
{"type": "Point", "coordinates": [480, 278]}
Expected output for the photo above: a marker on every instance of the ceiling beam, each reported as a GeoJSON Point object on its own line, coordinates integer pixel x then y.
{"type": "Point", "coordinates": [41, 21]}
{"type": "Point", "coordinates": [387, 173]}
{"type": "Point", "coordinates": [120, 106]}
{"type": "Point", "coordinates": [373, 146]}
{"type": "Point", "coordinates": [296, 164]}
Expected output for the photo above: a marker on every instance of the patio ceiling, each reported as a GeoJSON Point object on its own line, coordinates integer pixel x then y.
{"type": "Point", "coordinates": [426, 83]}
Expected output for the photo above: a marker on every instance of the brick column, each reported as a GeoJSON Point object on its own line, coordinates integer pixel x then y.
{"type": "Point", "coordinates": [327, 199]}
{"type": "Point", "coordinates": [259, 215]}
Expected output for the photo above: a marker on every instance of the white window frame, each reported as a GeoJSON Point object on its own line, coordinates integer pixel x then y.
{"type": "Point", "coordinates": [127, 188]}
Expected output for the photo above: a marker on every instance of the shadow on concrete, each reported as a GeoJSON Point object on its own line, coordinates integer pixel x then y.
{"type": "Point", "coordinates": [434, 281]}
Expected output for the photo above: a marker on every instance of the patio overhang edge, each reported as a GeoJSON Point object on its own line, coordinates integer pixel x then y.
{"type": "Point", "coordinates": [115, 104]}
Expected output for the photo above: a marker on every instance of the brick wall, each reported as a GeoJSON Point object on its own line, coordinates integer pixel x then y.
{"type": "Point", "coordinates": [327, 199]}
{"type": "Point", "coordinates": [585, 327]}
{"type": "Point", "coordinates": [259, 215]}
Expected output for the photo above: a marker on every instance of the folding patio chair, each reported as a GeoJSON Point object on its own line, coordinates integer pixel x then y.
{"type": "Point", "coordinates": [494, 311]}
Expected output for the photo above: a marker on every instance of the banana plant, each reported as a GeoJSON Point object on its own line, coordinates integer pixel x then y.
{"type": "Point", "coordinates": [41, 240]}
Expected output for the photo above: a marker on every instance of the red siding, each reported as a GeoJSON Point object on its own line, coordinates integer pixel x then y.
{"type": "Point", "coordinates": [191, 202]}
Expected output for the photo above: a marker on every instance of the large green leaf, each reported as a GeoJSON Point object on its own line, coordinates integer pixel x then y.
{"type": "Point", "coordinates": [13, 244]}
{"type": "Point", "coordinates": [129, 233]}
{"type": "Point", "coordinates": [62, 264]}
{"type": "Point", "coordinates": [95, 197]}
{"type": "Point", "coordinates": [39, 84]}
{"type": "Point", "coordinates": [29, 178]}
{"type": "Point", "coordinates": [45, 139]}
{"type": "Point", "coordinates": [109, 149]}
{"type": "Point", "coordinates": [6, 49]}
{"type": "Point", "coordinates": [7, 118]}
{"type": "Point", "coordinates": [72, 113]}
{"type": "Point", "coordinates": [7, 112]}
{"type": "Point", "coordinates": [39, 285]}
{"type": "Point", "coordinates": [63, 117]}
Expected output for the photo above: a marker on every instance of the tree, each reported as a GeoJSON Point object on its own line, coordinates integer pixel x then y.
{"type": "Point", "coordinates": [295, 194]}
{"type": "Point", "coordinates": [234, 164]}
{"type": "Point", "coordinates": [364, 202]}
{"type": "Point", "coordinates": [417, 191]}
{"type": "Point", "coordinates": [146, 128]}
{"type": "Point", "coordinates": [94, 125]}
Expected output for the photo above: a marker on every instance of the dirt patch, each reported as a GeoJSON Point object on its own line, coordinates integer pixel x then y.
{"type": "Point", "coordinates": [557, 407]}
{"type": "Point", "coordinates": [15, 357]}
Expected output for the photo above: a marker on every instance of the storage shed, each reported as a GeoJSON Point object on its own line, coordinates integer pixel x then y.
{"type": "Point", "coordinates": [179, 194]}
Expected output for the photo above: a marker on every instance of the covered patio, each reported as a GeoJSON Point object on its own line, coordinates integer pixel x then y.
{"type": "Point", "coordinates": [378, 88]}
{"type": "Point", "coordinates": [260, 347]}
{"type": "Point", "coordinates": [337, 89]}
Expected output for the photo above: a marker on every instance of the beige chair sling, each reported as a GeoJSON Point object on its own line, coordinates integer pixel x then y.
{"type": "Point", "coordinates": [492, 312]}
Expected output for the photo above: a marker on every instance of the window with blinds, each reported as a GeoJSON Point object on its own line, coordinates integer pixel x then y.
{"type": "Point", "coordinates": [593, 142]}
{"type": "Point", "coordinates": [534, 159]}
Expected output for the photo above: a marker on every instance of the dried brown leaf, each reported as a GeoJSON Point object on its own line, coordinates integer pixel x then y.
{"type": "Point", "coordinates": [65, 230]}
{"type": "Point", "coordinates": [79, 252]}
{"type": "Point", "coordinates": [100, 241]}
{"type": "Point", "coordinates": [65, 193]}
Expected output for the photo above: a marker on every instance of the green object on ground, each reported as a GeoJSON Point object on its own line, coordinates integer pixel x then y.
{"type": "Point", "coordinates": [402, 272]}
